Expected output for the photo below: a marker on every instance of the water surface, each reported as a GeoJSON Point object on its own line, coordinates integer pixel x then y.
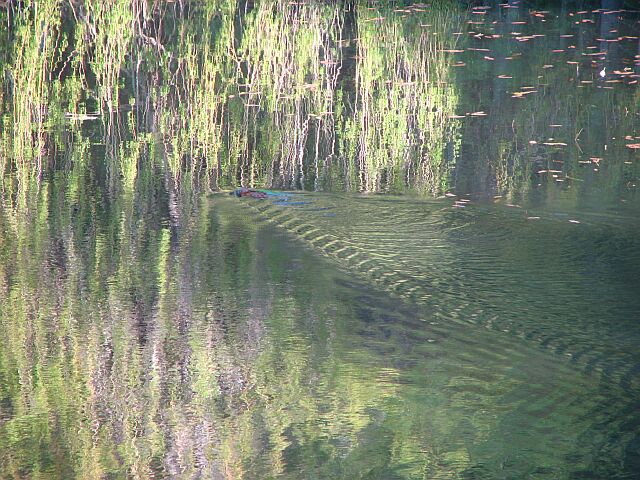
{"type": "Point", "coordinates": [444, 285]}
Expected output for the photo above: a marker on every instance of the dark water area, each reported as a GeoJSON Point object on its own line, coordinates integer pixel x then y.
{"type": "Point", "coordinates": [441, 283]}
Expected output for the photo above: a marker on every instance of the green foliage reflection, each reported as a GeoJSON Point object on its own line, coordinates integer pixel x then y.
{"type": "Point", "coordinates": [272, 93]}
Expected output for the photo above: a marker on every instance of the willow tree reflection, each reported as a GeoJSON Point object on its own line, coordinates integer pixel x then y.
{"type": "Point", "coordinates": [404, 99]}
{"type": "Point", "coordinates": [309, 95]}
{"type": "Point", "coordinates": [136, 346]}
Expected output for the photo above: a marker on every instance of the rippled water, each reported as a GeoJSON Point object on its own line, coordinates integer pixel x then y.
{"type": "Point", "coordinates": [529, 323]}
{"type": "Point", "coordinates": [320, 336]}
{"type": "Point", "coordinates": [492, 266]}
{"type": "Point", "coordinates": [443, 283]}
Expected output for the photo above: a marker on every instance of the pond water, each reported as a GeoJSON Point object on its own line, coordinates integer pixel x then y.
{"type": "Point", "coordinates": [441, 284]}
